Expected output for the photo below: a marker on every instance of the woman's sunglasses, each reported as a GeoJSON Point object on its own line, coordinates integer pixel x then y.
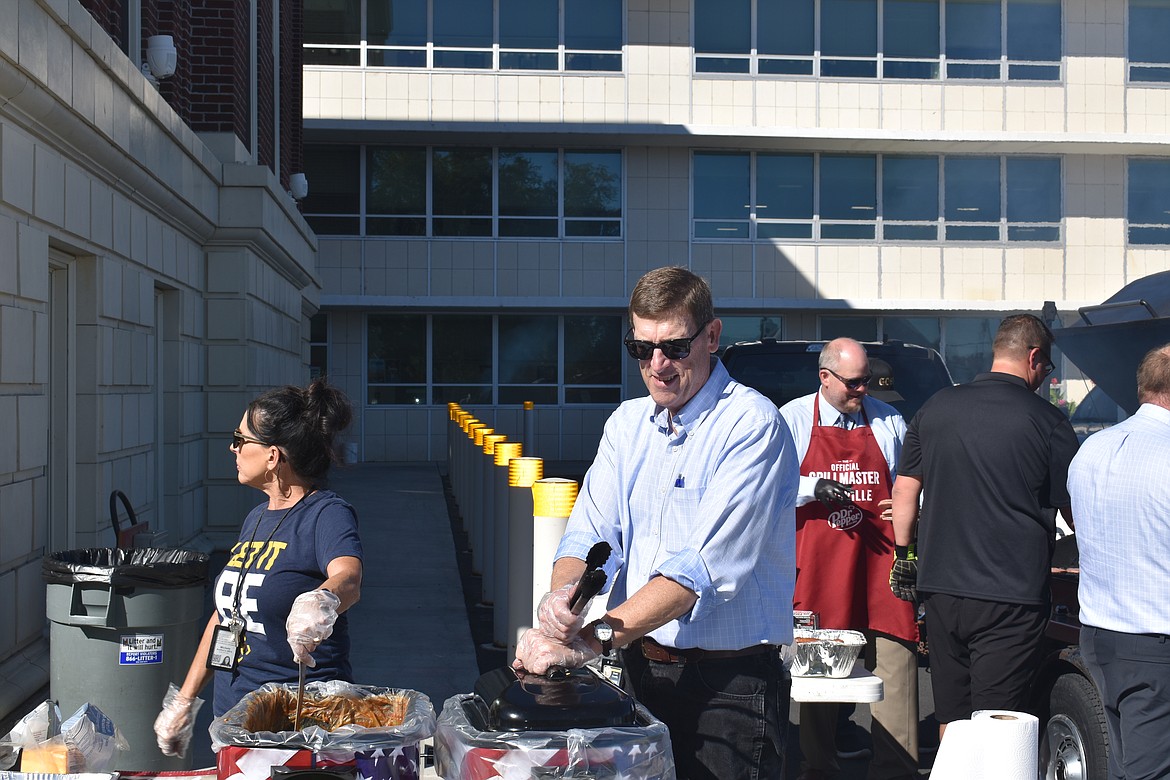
{"type": "Point", "coordinates": [239, 440]}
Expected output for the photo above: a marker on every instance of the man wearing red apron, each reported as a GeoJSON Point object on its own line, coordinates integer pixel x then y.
{"type": "Point", "coordinates": [844, 544]}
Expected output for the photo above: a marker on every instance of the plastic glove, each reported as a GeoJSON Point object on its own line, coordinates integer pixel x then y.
{"type": "Point", "coordinates": [310, 622]}
{"type": "Point", "coordinates": [556, 621]}
{"type": "Point", "coordinates": [904, 574]}
{"type": "Point", "coordinates": [537, 653]}
{"type": "Point", "coordinates": [832, 493]}
{"type": "Point", "coordinates": [176, 723]}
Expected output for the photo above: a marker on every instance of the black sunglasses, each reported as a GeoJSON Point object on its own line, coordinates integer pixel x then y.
{"type": "Point", "coordinates": [672, 349]}
{"type": "Point", "coordinates": [239, 440]}
{"type": "Point", "coordinates": [852, 384]}
{"type": "Point", "coordinates": [1049, 366]}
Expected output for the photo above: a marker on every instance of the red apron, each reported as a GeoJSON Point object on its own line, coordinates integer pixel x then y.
{"type": "Point", "coordinates": [843, 556]}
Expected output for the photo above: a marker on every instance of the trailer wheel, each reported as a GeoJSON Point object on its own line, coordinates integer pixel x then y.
{"type": "Point", "coordinates": [1077, 736]}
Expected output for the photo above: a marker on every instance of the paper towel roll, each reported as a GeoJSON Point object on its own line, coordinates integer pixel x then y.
{"type": "Point", "coordinates": [992, 745]}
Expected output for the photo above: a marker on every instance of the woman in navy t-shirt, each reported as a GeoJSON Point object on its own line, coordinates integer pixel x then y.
{"type": "Point", "coordinates": [295, 570]}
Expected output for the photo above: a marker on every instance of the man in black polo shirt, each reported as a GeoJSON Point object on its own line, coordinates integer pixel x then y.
{"type": "Point", "coordinates": [987, 458]}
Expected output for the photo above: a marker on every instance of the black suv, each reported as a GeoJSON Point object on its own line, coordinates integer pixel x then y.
{"type": "Point", "coordinates": [904, 375]}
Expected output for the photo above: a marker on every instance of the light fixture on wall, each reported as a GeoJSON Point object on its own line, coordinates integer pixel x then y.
{"type": "Point", "coordinates": [161, 58]}
{"type": "Point", "coordinates": [298, 186]}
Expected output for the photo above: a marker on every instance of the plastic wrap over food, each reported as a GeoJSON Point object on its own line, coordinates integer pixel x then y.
{"type": "Point", "coordinates": [56, 776]}
{"type": "Point", "coordinates": [337, 717]}
{"type": "Point", "coordinates": [639, 752]}
{"type": "Point", "coordinates": [822, 652]}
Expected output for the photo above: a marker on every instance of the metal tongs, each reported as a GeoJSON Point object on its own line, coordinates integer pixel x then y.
{"type": "Point", "coordinates": [300, 695]}
{"type": "Point", "coordinates": [591, 582]}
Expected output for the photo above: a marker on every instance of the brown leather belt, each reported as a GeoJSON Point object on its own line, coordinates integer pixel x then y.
{"type": "Point", "coordinates": [654, 651]}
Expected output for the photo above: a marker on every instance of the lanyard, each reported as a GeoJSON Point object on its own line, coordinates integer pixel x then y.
{"type": "Point", "coordinates": [252, 550]}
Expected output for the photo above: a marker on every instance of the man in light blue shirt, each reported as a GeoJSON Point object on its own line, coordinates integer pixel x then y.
{"type": "Point", "coordinates": [694, 488]}
{"type": "Point", "coordinates": [1121, 501]}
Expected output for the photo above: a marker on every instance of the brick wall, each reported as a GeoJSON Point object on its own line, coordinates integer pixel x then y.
{"type": "Point", "coordinates": [265, 78]}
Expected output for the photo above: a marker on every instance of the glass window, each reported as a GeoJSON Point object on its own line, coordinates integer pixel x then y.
{"type": "Point", "coordinates": [1033, 30]}
{"type": "Point", "coordinates": [1148, 208]}
{"type": "Point", "coordinates": [394, 22]}
{"type": "Point", "coordinates": [333, 204]}
{"type": "Point", "coordinates": [396, 358]}
{"type": "Point", "coordinates": [972, 195]}
{"type": "Point", "coordinates": [750, 328]}
{"type": "Point", "coordinates": [396, 186]}
{"type": "Point", "coordinates": [593, 24]}
{"type": "Point", "coordinates": [462, 182]}
{"type": "Point", "coordinates": [910, 194]}
{"type": "Point", "coordinates": [528, 193]}
{"type": "Point", "coordinates": [860, 328]}
{"type": "Point", "coordinates": [968, 347]}
{"type": "Point", "coordinates": [723, 26]}
{"type": "Point", "coordinates": [722, 193]}
{"type": "Point", "coordinates": [1149, 30]}
{"type": "Point", "coordinates": [973, 29]}
{"type": "Point", "coordinates": [910, 28]}
{"type": "Point", "coordinates": [318, 345]}
{"type": "Point", "coordinates": [461, 358]}
{"type": "Point", "coordinates": [333, 21]}
{"type": "Point", "coordinates": [1033, 196]}
{"type": "Point", "coordinates": [785, 26]}
{"type": "Point", "coordinates": [593, 193]}
{"type": "Point", "coordinates": [463, 23]}
{"type": "Point", "coordinates": [784, 190]}
{"type": "Point", "coordinates": [923, 331]}
{"type": "Point", "coordinates": [528, 358]}
{"type": "Point", "coordinates": [848, 193]}
{"type": "Point", "coordinates": [593, 353]}
{"type": "Point", "coordinates": [849, 28]}
{"type": "Point", "coordinates": [528, 24]}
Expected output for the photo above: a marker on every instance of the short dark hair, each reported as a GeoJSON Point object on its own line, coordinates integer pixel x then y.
{"type": "Point", "coordinates": [667, 291]}
{"type": "Point", "coordinates": [302, 422]}
{"type": "Point", "coordinates": [1153, 376]}
{"type": "Point", "coordinates": [1019, 333]}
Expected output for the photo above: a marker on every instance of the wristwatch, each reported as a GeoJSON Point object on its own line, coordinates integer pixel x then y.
{"type": "Point", "coordinates": [603, 633]}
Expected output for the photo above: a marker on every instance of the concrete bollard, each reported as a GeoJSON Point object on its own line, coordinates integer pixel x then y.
{"type": "Point", "coordinates": [522, 475]}
{"type": "Point", "coordinates": [505, 452]}
{"type": "Point", "coordinates": [475, 500]}
{"type": "Point", "coordinates": [552, 502]}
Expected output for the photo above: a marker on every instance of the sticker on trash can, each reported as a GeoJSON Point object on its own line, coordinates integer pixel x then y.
{"type": "Point", "coordinates": [138, 649]}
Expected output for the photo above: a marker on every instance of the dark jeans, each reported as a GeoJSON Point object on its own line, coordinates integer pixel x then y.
{"type": "Point", "coordinates": [1132, 673]}
{"type": "Point", "coordinates": [727, 717]}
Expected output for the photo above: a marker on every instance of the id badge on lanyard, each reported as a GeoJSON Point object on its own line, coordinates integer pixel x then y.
{"type": "Point", "coordinates": [226, 641]}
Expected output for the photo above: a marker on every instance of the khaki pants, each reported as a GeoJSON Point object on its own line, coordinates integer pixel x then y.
{"type": "Point", "coordinates": [895, 717]}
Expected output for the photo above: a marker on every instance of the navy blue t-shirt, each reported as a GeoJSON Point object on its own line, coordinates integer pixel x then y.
{"type": "Point", "coordinates": [274, 572]}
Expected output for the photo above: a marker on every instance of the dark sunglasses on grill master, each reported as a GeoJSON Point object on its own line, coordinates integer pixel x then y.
{"type": "Point", "coordinates": [672, 349]}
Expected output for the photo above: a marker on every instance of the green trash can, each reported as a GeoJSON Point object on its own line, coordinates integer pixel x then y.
{"type": "Point", "coordinates": [123, 624]}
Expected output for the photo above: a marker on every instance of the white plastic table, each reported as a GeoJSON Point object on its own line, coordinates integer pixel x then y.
{"type": "Point", "coordinates": [861, 685]}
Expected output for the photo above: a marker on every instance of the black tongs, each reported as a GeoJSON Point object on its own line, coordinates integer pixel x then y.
{"type": "Point", "coordinates": [591, 582]}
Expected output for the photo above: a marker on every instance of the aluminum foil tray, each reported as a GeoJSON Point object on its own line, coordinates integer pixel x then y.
{"type": "Point", "coordinates": [822, 652]}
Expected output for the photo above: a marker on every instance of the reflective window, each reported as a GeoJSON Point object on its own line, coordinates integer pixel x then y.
{"type": "Point", "coordinates": [396, 191]}
{"type": "Point", "coordinates": [1033, 198]}
{"type": "Point", "coordinates": [910, 204]}
{"type": "Point", "coordinates": [751, 328]}
{"type": "Point", "coordinates": [593, 194]}
{"type": "Point", "coordinates": [923, 331]}
{"type": "Point", "coordinates": [575, 35]}
{"type": "Point", "coordinates": [396, 359]}
{"type": "Point", "coordinates": [462, 195]}
{"type": "Point", "coordinates": [1149, 29]}
{"type": "Point", "coordinates": [981, 39]}
{"type": "Point", "coordinates": [848, 195]}
{"type": "Point", "coordinates": [968, 345]}
{"type": "Point", "coordinates": [972, 196]}
{"type": "Point", "coordinates": [528, 193]}
{"type": "Point", "coordinates": [1148, 205]}
{"type": "Point", "coordinates": [333, 205]}
{"type": "Point", "coordinates": [859, 328]}
{"type": "Point", "coordinates": [722, 193]}
{"type": "Point", "coordinates": [505, 359]}
{"type": "Point", "coordinates": [784, 191]}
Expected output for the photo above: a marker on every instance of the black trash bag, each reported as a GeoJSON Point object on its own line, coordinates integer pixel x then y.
{"type": "Point", "coordinates": [120, 568]}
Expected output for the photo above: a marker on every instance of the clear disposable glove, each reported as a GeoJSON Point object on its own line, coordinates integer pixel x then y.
{"type": "Point", "coordinates": [904, 574]}
{"type": "Point", "coordinates": [310, 622]}
{"type": "Point", "coordinates": [537, 653]}
{"type": "Point", "coordinates": [176, 723]}
{"type": "Point", "coordinates": [556, 620]}
{"type": "Point", "coordinates": [832, 493]}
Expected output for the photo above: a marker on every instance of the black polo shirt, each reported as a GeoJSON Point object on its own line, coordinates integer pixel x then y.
{"type": "Point", "coordinates": [992, 455]}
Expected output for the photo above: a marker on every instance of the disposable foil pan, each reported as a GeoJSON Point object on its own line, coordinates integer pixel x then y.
{"type": "Point", "coordinates": [822, 652]}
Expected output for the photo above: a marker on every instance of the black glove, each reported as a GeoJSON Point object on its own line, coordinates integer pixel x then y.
{"type": "Point", "coordinates": [832, 493]}
{"type": "Point", "coordinates": [904, 573]}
